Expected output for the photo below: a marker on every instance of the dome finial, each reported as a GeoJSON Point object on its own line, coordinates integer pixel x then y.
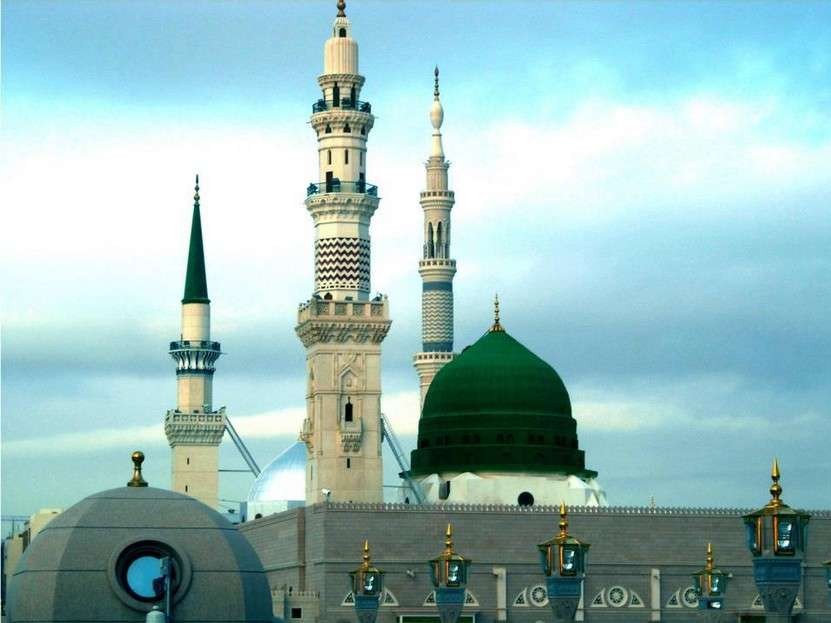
{"type": "Point", "coordinates": [448, 539]}
{"type": "Point", "coordinates": [710, 562]}
{"type": "Point", "coordinates": [563, 519]}
{"type": "Point", "coordinates": [341, 8]}
{"type": "Point", "coordinates": [196, 192]}
{"type": "Point", "coordinates": [137, 480]}
{"type": "Point", "coordinates": [436, 87]}
{"type": "Point", "coordinates": [496, 326]}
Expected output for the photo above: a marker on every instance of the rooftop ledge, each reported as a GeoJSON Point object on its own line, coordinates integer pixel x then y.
{"type": "Point", "coordinates": [362, 309]}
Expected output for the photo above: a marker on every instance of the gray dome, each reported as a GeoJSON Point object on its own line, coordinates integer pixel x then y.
{"type": "Point", "coordinates": [79, 567]}
{"type": "Point", "coordinates": [284, 479]}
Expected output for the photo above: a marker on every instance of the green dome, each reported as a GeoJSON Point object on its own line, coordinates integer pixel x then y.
{"type": "Point", "coordinates": [497, 407]}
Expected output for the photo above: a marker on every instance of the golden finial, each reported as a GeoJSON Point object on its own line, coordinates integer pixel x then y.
{"type": "Point", "coordinates": [775, 488]}
{"type": "Point", "coordinates": [137, 480]}
{"type": "Point", "coordinates": [366, 554]}
{"type": "Point", "coordinates": [196, 191]}
{"type": "Point", "coordinates": [496, 326]}
{"type": "Point", "coordinates": [563, 520]}
{"type": "Point", "coordinates": [436, 88]}
{"type": "Point", "coordinates": [709, 565]}
{"type": "Point", "coordinates": [341, 7]}
{"type": "Point", "coordinates": [448, 540]}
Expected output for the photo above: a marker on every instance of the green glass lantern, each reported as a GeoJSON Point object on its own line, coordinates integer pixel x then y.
{"type": "Point", "coordinates": [563, 560]}
{"type": "Point", "coordinates": [367, 588]}
{"type": "Point", "coordinates": [711, 584]}
{"type": "Point", "coordinates": [776, 528]}
{"type": "Point", "coordinates": [776, 537]}
{"type": "Point", "coordinates": [449, 572]}
{"type": "Point", "coordinates": [563, 555]}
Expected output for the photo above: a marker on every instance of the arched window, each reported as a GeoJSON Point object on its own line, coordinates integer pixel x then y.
{"type": "Point", "coordinates": [439, 248]}
{"type": "Point", "coordinates": [329, 155]}
{"type": "Point", "coordinates": [328, 129]}
{"type": "Point", "coordinates": [347, 411]}
{"type": "Point", "coordinates": [346, 156]}
{"type": "Point", "coordinates": [335, 96]}
{"type": "Point", "coordinates": [347, 129]}
{"type": "Point", "coordinates": [327, 296]}
{"type": "Point", "coordinates": [342, 32]}
{"type": "Point", "coordinates": [363, 129]}
{"type": "Point", "coordinates": [430, 247]}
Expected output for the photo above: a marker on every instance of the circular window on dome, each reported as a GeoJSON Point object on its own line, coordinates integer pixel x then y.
{"type": "Point", "coordinates": [525, 499]}
{"type": "Point", "coordinates": [147, 569]}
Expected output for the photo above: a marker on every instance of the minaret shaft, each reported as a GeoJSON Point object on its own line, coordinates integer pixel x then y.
{"type": "Point", "coordinates": [341, 328]}
{"type": "Point", "coordinates": [436, 266]}
{"type": "Point", "coordinates": [193, 429]}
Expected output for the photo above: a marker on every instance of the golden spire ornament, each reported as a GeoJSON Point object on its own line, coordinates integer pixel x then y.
{"type": "Point", "coordinates": [366, 560]}
{"type": "Point", "coordinates": [775, 488]}
{"type": "Point", "coordinates": [137, 480]}
{"type": "Point", "coordinates": [563, 525]}
{"type": "Point", "coordinates": [496, 328]}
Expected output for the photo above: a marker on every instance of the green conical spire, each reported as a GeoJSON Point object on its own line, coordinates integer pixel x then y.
{"type": "Point", "coordinates": [196, 285]}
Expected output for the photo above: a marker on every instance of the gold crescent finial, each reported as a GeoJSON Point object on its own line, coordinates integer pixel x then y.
{"type": "Point", "coordinates": [341, 8]}
{"type": "Point", "coordinates": [710, 563]}
{"type": "Point", "coordinates": [436, 87]}
{"type": "Point", "coordinates": [496, 326]}
{"type": "Point", "coordinates": [137, 480]}
{"type": "Point", "coordinates": [775, 488]}
{"type": "Point", "coordinates": [448, 539]}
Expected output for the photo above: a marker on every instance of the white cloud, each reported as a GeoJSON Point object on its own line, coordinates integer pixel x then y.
{"type": "Point", "coordinates": [402, 409]}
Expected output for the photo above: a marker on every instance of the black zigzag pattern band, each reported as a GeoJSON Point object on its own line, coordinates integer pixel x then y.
{"type": "Point", "coordinates": [342, 263]}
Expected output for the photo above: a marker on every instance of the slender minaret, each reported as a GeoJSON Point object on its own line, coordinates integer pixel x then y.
{"type": "Point", "coordinates": [436, 268]}
{"type": "Point", "coordinates": [341, 328]}
{"type": "Point", "coordinates": [194, 429]}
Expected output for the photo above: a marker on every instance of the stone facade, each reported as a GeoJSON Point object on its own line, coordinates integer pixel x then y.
{"type": "Point", "coordinates": [640, 561]}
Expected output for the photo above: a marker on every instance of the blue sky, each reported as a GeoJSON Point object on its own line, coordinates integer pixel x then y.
{"type": "Point", "coordinates": [645, 184]}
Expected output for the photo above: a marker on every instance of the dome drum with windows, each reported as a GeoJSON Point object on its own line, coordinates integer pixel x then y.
{"type": "Point", "coordinates": [495, 416]}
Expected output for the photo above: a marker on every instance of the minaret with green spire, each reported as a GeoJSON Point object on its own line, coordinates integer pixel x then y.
{"type": "Point", "coordinates": [194, 430]}
{"type": "Point", "coordinates": [196, 284]}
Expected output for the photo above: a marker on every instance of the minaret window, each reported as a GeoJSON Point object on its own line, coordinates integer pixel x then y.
{"type": "Point", "coordinates": [363, 129]}
{"type": "Point", "coordinates": [342, 32]}
{"type": "Point", "coordinates": [438, 241]}
{"type": "Point", "coordinates": [335, 96]}
{"type": "Point", "coordinates": [329, 156]}
{"type": "Point", "coordinates": [361, 157]}
{"type": "Point", "coordinates": [347, 411]}
{"type": "Point", "coordinates": [430, 240]}
{"type": "Point", "coordinates": [328, 129]}
{"type": "Point", "coordinates": [346, 156]}
{"type": "Point", "coordinates": [346, 128]}
{"type": "Point", "coordinates": [352, 98]}
{"type": "Point", "coordinates": [348, 463]}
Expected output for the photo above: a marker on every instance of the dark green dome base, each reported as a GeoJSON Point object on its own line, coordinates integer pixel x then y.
{"type": "Point", "coordinates": [498, 407]}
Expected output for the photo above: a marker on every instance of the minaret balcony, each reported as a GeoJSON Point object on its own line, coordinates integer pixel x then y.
{"type": "Point", "coordinates": [337, 186]}
{"type": "Point", "coordinates": [344, 104]}
{"type": "Point", "coordinates": [194, 345]}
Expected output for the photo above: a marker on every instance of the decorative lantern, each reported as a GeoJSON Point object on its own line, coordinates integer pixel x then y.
{"type": "Point", "coordinates": [563, 560]}
{"type": "Point", "coordinates": [449, 574]}
{"type": "Point", "coordinates": [367, 588]}
{"type": "Point", "coordinates": [711, 584]}
{"type": "Point", "coordinates": [776, 538]}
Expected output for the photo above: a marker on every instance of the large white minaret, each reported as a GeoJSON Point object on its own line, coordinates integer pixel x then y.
{"type": "Point", "coordinates": [436, 268]}
{"type": "Point", "coordinates": [194, 430]}
{"type": "Point", "coordinates": [341, 328]}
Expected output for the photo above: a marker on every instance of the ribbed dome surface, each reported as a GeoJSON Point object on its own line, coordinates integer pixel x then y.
{"type": "Point", "coordinates": [497, 374]}
{"type": "Point", "coordinates": [497, 407]}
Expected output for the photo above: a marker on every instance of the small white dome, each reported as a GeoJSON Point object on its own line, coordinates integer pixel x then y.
{"type": "Point", "coordinates": [284, 479]}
